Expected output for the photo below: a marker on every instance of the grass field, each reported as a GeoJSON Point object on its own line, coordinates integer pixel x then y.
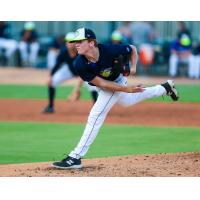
{"type": "Point", "coordinates": [188, 93]}
{"type": "Point", "coordinates": [38, 142]}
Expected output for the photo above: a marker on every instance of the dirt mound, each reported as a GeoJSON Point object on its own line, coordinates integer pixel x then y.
{"type": "Point", "coordinates": [171, 165]}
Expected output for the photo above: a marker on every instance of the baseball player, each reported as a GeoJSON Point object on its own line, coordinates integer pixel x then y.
{"type": "Point", "coordinates": [62, 72]}
{"type": "Point", "coordinates": [106, 66]}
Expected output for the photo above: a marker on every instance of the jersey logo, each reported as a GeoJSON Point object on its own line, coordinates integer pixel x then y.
{"type": "Point", "coordinates": [106, 72]}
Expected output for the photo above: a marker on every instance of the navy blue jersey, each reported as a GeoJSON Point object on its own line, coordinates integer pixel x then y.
{"type": "Point", "coordinates": [104, 66]}
{"type": "Point", "coordinates": [29, 36]}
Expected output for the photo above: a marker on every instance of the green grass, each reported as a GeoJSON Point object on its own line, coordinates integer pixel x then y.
{"type": "Point", "coordinates": [38, 142]}
{"type": "Point", "coordinates": [37, 92]}
{"type": "Point", "coordinates": [188, 93]}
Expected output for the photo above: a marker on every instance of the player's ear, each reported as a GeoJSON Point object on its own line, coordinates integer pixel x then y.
{"type": "Point", "coordinates": [91, 43]}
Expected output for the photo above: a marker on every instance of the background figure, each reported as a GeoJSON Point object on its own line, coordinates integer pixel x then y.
{"type": "Point", "coordinates": [143, 36]}
{"type": "Point", "coordinates": [7, 45]}
{"type": "Point", "coordinates": [125, 30]}
{"type": "Point", "coordinates": [181, 52]}
{"type": "Point", "coordinates": [142, 33]}
{"type": "Point", "coordinates": [57, 44]}
{"type": "Point", "coordinates": [116, 37]}
{"type": "Point", "coordinates": [63, 71]}
{"type": "Point", "coordinates": [28, 45]}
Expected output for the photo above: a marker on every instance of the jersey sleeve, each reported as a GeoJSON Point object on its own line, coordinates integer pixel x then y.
{"type": "Point", "coordinates": [83, 70]}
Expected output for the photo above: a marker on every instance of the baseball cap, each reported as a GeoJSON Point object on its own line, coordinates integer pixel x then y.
{"type": "Point", "coordinates": [185, 40]}
{"type": "Point", "coordinates": [69, 36]}
{"type": "Point", "coordinates": [29, 25]}
{"type": "Point", "coordinates": [116, 36]}
{"type": "Point", "coordinates": [83, 34]}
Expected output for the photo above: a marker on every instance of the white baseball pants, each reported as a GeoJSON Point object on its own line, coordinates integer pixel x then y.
{"type": "Point", "coordinates": [34, 50]}
{"type": "Point", "coordinates": [190, 60]}
{"type": "Point", "coordinates": [9, 45]}
{"type": "Point", "coordinates": [51, 58]}
{"type": "Point", "coordinates": [104, 103]}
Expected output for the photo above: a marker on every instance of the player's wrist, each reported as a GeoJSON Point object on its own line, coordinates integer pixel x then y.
{"type": "Point", "coordinates": [125, 89]}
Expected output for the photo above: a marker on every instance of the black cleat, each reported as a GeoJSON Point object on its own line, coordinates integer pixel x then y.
{"type": "Point", "coordinates": [171, 90]}
{"type": "Point", "coordinates": [68, 163]}
{"type": "Point", "coordinates": [48, 109]}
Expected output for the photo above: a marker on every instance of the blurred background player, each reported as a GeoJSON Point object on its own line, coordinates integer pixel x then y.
{"type": "Point", "coordinates": [116, 37]}
{"type": "Point", "coordinates": [64, 70]}
{"type": "Point", "coordinates": [143, 36]}
{"type": "Point", "coordinates": [7, 45]}
{"type": "Point", "coordinates": [56, 46]}
{"type": "Point", "coordinates": [142, 33]}
{"type": "Point", "coordinates": [181, 51]}
{"type": "Point", "coordinates": [125, 30]}
{"type": "Point", "coordinates": [28, 45]}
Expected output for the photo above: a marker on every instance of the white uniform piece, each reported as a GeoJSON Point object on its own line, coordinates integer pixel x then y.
{"type": "Point", "coordinates": [64, 74]}
{"type": "Point", "coordinates": [51, 58]}
{"type": "Point", "coordinates": [190, 60]}
{"type": "Point", "coordinates": [34, 49]}
{"type": "Point", "coordinates": [61, 75]}
{"type": "Point", "coordinates": [104, 103]}
{"type": "Point", "coordinates": [196, 71]}
{"type": "Point", "coordinates": [9, 45]}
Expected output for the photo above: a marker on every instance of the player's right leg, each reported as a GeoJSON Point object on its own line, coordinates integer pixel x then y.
{"type": "Point", "coordinates": [104, 103]}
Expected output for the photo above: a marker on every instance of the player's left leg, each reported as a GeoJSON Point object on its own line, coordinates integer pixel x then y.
{"type": "Point", "coordinates": [167, 88]}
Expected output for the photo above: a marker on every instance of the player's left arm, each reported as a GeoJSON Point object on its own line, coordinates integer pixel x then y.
{"type": "Point", "coordinates": [112, 86]}
{"type": "Point", "coordinates": [133, 59]}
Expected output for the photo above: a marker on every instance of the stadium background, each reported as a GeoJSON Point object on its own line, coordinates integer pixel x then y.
{"type": "Point", "coordinates": [103, 29]}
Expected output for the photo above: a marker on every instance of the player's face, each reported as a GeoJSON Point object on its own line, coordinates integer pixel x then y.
{"type": "Point", "coordinates": [82, 47]}
{"type": "Point", "coordinates": [70, 45]}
